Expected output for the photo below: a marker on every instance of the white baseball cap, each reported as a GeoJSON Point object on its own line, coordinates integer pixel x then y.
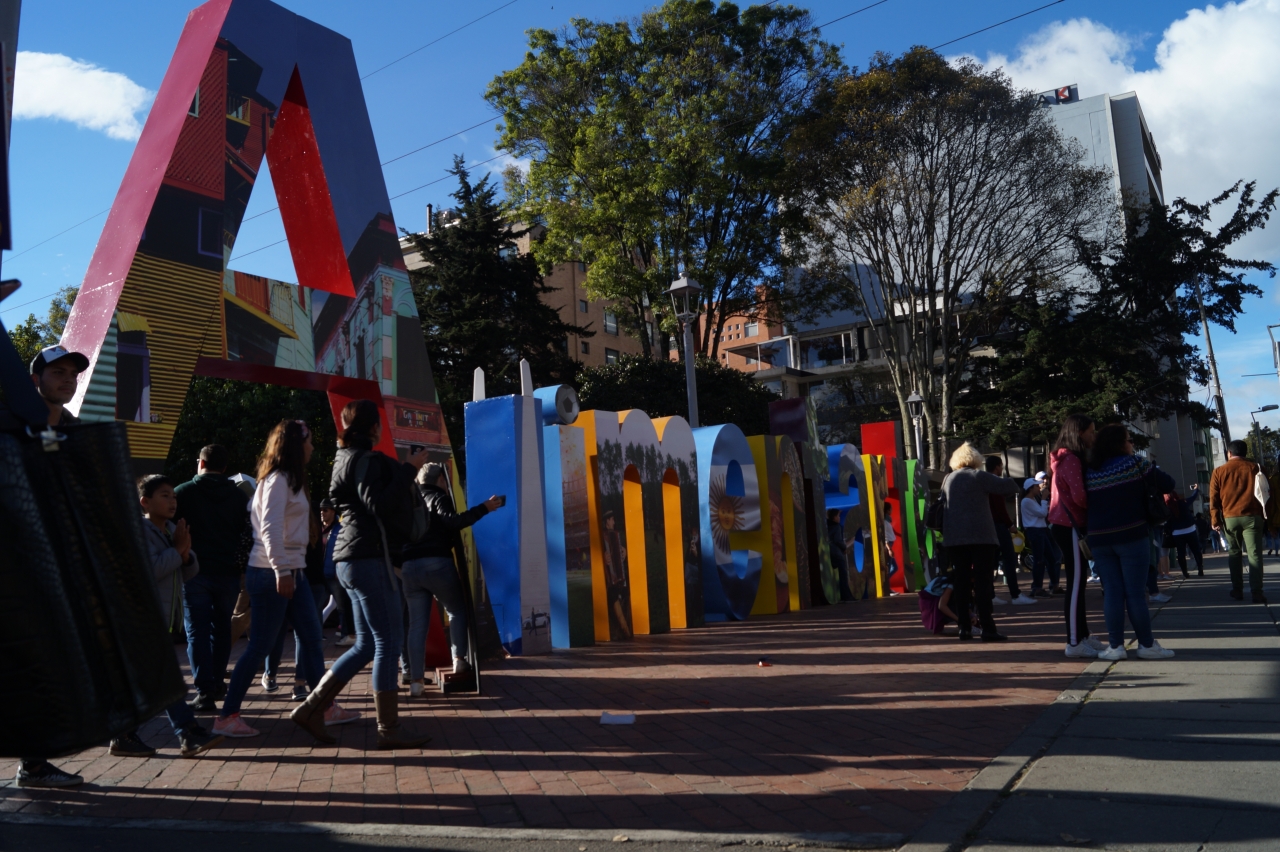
{"type": "Point", "coordinates": [49, 354]}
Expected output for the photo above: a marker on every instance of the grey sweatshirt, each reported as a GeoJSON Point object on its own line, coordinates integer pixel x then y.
{"type": "Point", "coordinates": [968, 519]}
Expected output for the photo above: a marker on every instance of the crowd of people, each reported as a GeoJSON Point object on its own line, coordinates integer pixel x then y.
{"type": "Point", "coordinates": [223, 553]}
{"type": "Point", "coordinates": [1101, 513]}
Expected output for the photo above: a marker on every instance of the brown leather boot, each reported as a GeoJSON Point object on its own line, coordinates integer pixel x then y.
{"type": "Point", "coordinates": [391, 734]}
{"type": "Point", "coordinates": [309, 715]}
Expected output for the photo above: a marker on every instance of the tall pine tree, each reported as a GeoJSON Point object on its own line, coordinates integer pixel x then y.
{"type": "Point", "coordinates": [480, 302]}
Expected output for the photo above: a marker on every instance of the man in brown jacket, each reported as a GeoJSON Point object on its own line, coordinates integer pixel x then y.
{"type": "Point", "coordinates": [1237, 514]}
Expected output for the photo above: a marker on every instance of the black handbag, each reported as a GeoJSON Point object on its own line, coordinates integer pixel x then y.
{"type": "Point", "coordinates": [1158, 512]}
{"type": "Point", "coordinates": [84, 651]}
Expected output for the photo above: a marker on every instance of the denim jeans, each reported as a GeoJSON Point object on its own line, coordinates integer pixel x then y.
{"type": "Point", "coordinates": [270, 609]}
{"type": "Point", "coordinates": [346, 623]}
{"type": "Point", "coordinates": [375, 604]}
{"type": "Point", "coordinates": [207, 604]}
{"type": "Point", "coordinates": [181, 716]}
{"type": "Point", "coordinates": [299, 659]}
{"type": "Point", "coordinates": [1123, 568]}
{"type": "Point", "coordinates": [434, 576]}
{"type": "Point", "coordinates": [1042, 557]}
{"type": "Point", "coordinates": [1008, 560]}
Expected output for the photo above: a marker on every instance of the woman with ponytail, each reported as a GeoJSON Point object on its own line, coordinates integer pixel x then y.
{"type": "Point", "coordinates": [276, 580]}
{"type": "Point", "coordinates": [370, 492]}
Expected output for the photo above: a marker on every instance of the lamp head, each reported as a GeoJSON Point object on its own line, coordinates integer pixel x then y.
{"type": "Point", "coordinates": [1268, 408]}
{"type": "Point", "coordinates": [915, 405]}
{"type": "Point", "coordinates": [684, 293]}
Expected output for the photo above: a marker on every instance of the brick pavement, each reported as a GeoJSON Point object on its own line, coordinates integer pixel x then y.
{"type": "Point", "coordinates": [864, 723]}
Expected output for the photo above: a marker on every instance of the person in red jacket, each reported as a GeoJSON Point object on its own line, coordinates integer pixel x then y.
{"type": "Point", "coordinates": [1068, 513]}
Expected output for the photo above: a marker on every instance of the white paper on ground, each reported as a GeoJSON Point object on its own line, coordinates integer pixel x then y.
{"type": "Point", "coordinates": [617, 718]}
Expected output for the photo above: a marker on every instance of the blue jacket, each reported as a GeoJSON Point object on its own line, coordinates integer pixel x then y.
{"type": "Point", "coordinates": [1118, 498]}
{"type": "Point", "coordinates": [331, 538]}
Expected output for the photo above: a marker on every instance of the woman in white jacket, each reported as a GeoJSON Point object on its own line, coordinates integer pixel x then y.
{"type": "Point", "coordinates": [1035, 522]}
{"type": "Point", "coordinates": [277, 586]}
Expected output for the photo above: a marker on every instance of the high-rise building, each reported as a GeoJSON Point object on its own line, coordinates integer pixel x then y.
{"type": "Point", "coordinates": [1115, 135]}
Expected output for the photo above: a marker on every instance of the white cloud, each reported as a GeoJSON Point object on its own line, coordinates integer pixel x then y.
{"type": "Point", "coordinates": [1209, 100]}
{"type": "Point", "coordinates": [50, 85]}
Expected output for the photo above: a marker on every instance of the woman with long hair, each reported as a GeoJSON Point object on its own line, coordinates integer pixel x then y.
{"type": "Point", "coordinates": [280, 513]}
{"type": "Point", "coordinates": [1120, 537]}
{"type": "Point", "coordinates": [370, 492]}
{"type": "Point", "coordinates": [969, 535]}
{"type": "Point", "coordinates": [1068, 514]}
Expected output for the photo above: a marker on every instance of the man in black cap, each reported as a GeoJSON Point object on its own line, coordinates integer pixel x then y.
{"type": "Point", "coordinates": [54, 372]}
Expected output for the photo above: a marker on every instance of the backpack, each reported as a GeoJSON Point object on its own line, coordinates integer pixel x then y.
{"type": "Point", "coordinates": [407, 516]}
{"type": "Point", "coordinates": [935, 515]}
{"type": "Point", "coordinates": [929, 614]}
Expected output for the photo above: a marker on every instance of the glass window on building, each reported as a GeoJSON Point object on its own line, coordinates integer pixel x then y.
{"type": "Point", "coordinates": [582, 306]}
{"type": "Point", "coordinates": [822, 351]}
{"type": "Point", "coordinates": [611, 356]}
{"type": "Point", "coordinates": [753, 328]}
{"type": "Point", "coordinates": [586, 348]}
{"type": "Point", "coordinates": [610, 322]}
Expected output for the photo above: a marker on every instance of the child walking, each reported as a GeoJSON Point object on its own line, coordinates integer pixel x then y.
{"type": "Point", "coordinates": [172, 563]}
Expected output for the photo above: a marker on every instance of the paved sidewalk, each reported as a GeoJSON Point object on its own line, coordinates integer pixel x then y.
{"type": "Point", "coordinates": [863, 724]}
{"type": "Point", "coordinates": [1180, 754]}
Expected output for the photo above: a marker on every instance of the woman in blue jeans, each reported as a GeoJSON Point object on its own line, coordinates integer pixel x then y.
{"type": "Point", "coordinates": [429, 571]}
{"type": "Point", "coordinates": [372, 494]}
{"type": "Point", "coordinates": [283, 526]}
{"type": "Point", "coordinates": [1120, 536]}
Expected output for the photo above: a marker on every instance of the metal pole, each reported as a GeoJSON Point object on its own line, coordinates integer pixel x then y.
{"type": "Point", "coordinates": [1257, 440]}
{"type": "Point", "coordinates": [691, 382]}
{"type": "Point", "coordinates": [919, 440]}
{"type": "Point", "coordinates": [1224, 428]}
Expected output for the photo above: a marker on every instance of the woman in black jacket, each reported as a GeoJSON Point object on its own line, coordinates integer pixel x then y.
{"type": "Point", "coordinates": [371, 493]}
{"type": "Point", "coordinates": [429, 571]}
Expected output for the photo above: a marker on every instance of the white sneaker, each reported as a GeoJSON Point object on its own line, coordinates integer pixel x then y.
{"type": "Point", "coordinates": [999, 601]}
{"type": "Point", "coordinates": [415, 689]}
{"type": "Point", "coordinates": [1094, 578]}
{"type": "Point", "coordinates": [1097, 644]}
{"type": "Point", "coordinates": [1114, 652]}
{"type": "Point", "coordinates": [460, 665]}
{"type": "Point", "coordinates": [1159, 598]}
{"type": "Point", "coordinates": [346, 642]}
{"type": "Point", "coordinates": [1082, 649]}
{"type": "Point", "coordinates": [1155, 652]}
{"type": "Point", "coordinates": [1022, 600]}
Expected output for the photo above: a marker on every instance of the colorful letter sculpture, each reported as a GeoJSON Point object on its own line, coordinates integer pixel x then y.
{"type": "Point", "coordinates": [884, 442]}
{"type": "Point", "coordinates": [565, 476]}
{"type": "Point", "coordinates": [844, 490]}
{"type": "Point", "coordinates": [729, 501]}
{"type": "Point", "coordinates": [504, 438]}
{"type": "Point", "coordinates": [798, 420]}
{"type": "Point", "coordinates": [250, 79]}
{"type": "Point", "coordinates": [784, 581]}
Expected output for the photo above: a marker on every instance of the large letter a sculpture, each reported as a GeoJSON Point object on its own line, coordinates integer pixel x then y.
{"type": "Point", "coordinates": [251, 80]}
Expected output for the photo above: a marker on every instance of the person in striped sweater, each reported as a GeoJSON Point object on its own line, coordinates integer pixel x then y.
{"type": "Point", "coordinates": [1116, 483]}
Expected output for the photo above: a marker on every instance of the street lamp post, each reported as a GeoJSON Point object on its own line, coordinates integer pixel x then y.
{"type": "Point", "coordinates": [915, 405]}
{"type": "Point", "coordinates": [1257, 433]}
{"type": "Point", "coordinates": [684, 293]}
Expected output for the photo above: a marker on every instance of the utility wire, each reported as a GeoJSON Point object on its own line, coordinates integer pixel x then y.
{"type": "Point", "coordinates": [1000, 24]}
{"type": "Point", "coordinates": [441, 38]}
{"type": "Point", "coordinates": [393, 198]}
{"type": "Point", "coordinates": [388, 162]}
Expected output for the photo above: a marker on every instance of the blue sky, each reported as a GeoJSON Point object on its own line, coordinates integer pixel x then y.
{"type": "Point", "coordinates": [1201, 73]}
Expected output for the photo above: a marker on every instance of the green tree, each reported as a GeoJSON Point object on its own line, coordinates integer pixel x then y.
{"type": "Point", "coordinates": [657, 387]}
{"type": "Point", "coordinates": [32, 334]}
{"type": "Point", "coordinates": [480, 304]}
{"type": "Point", "coordinates": [1121, 342]}
{"type": "Point", "coordinates": [941, 193]}
{"type": "Point", "coordinates": [239, 415]}
{"type": "Point", "coordinates": [1264, 445]}
{"type": "Point", "coordinates": [657, 147]}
